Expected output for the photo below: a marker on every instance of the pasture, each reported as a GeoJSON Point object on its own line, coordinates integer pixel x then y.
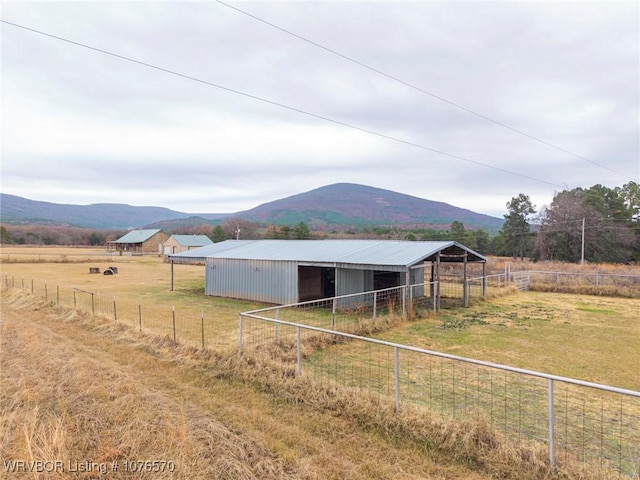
{"type": "Point", "coordinates": [592, 338]}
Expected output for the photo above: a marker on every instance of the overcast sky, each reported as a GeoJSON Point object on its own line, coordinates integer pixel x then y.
{"type": "Point", "coordinates": [244, 113]}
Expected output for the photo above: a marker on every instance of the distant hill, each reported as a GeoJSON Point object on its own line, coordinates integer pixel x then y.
{"type": "Point", "coordinates": [21, 211]}
{"type": "Point", "coordinates": [332, 206]}
{"type": "Point", "coordinates": [359, 205]}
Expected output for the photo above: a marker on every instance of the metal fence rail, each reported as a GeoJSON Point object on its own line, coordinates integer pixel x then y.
{"type": "Point", "coordinates": [577, 420]}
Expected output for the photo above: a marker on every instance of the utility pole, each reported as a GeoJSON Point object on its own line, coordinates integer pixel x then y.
{"type": "Point", "coordinates": [582, 254]}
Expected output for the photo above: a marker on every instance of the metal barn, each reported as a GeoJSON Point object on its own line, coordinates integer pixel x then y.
{"type": "Point", "coordinates": [291, 271]}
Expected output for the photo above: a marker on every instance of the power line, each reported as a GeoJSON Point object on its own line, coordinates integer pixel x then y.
{"type": "Point", "coordinates": [278, 104]}
{"type": "Point", "coordinates": [421, 90]}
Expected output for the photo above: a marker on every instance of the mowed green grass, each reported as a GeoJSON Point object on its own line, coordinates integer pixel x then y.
{"type": "Point", "coordinates": [586, 337]}
{"type": "Point", "coordinates": [596, 339]}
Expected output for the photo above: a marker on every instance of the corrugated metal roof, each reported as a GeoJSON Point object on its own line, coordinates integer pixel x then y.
{"type": "Point", "coordinates": [369, 252]}
{"type": "Point", "coordinates": [192, 240]}
{"type": "Point", "coordinates": [208, 250]}
{"type": "Point", "coordinates": [137, 236]}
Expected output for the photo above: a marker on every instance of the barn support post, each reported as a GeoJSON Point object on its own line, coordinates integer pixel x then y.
{"type": "Point", "coordinates": [407, 293]}
{"type": "Point", "coordinates": [432, 285]}
{"type": "Point", "coordinates": [465, 283]}
{"type": "Point", "coordinates": [484, 279]}
{"type": "Point", "coordinates": [438, 292]}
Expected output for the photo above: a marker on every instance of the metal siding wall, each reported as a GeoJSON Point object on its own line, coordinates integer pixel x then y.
{"type": "Point", "coordinates": [417, 278]}
{"type": "Point", "coordinates": [349, 281]}
{"type": "Point", "coordinates": [258, 280]}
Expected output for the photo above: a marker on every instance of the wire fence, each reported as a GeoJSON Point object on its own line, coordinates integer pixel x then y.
{"type": "Point", "coordinates": [322, 339]}
{"type": "Point", "coordinates": [596, 283]}
{"type": "Point", "coordinates": [178, 324]}
{"type": "Point", "coordinates": [578, 421]}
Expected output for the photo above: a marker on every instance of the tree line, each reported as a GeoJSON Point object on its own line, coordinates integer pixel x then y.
{"type": "Point", "coordinates": [598, 224]}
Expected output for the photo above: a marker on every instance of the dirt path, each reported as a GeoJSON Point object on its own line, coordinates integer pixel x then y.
{"type": "Point", "coordinates": [88, 397]}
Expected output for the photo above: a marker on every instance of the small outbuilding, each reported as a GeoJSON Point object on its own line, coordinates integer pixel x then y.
{"type": "Point", "coordinates": [139, 241]}
{"type": "Point", "coordinates": [184, 243]}
{"type": "Point", "coordinates": [291, 271]}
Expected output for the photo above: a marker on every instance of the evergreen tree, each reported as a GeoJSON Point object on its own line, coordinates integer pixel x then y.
{"type": "Point", "coordinates": [516, 229]}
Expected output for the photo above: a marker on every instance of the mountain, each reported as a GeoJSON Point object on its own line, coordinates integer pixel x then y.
{"type": "Point", "coordinates": [337, 205]}
{"type": "Point", "coordinates": [18, 210]}
{"type": "Point", "coordinates": [359, 205]}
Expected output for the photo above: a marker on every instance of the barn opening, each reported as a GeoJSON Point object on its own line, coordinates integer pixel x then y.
{"type": "Point", "coordinates": [382, 280]}
{"type": "Point", "coordinates": [316, 282]}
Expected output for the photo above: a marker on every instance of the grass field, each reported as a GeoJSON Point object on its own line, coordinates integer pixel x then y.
{"type": "Point", "coordinates": [586, 337]}
{"type": "Point", "coordinates": [592, 338]}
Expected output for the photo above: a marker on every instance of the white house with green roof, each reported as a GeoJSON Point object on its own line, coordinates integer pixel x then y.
{"type": "Point", "coordinates": [183, 243]}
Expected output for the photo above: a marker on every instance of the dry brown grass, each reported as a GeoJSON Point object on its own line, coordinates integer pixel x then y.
{"type": "Point", "coordinates": [497, 265]}
{"type": "Point", "coordinates": [64, 402]}
{"type": "Point", "coordinates": [82, 389]}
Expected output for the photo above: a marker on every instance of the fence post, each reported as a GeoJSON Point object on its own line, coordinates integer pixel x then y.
{"type": "Point", "coordinates": [115, 313]}
{"type": "Point", "coordinates": [298, 351]}
{"type": "Point", "coordinates": [465, 292]}
{"type": "Point", "coordinates": [375, 303]}
{"type": "Point", "coordinates": [74, 298]}
{"type": "Point", "coordinates": [276, 328]}
{"type": "Point", "coordinates": [93, 308]}
{"type": "Point", "coordinates": [140, 316]}
{"type": "Point", "coordinates": [46, 293]}
{"type": "Point", "coordinates": [202, 326]}
{"type": "Point", "coordinates": [240, 335]}
{"type": "Point", "coordinates": [396, 373]}
{"type": "Point", "coordinates": [404, 301]}
{"type": "Point", "coordinates": [32, 286]}
{"type": "Point", "coordinates": [333, 314]}
{"type": "Point", "coordinates": [57, 294]}
{"type": "Point", "coordinates": [552, 455]}
{"type": "Point", "coordinates": [173, 315]}
{"type": "Point", "coordinates": [434, 296]}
